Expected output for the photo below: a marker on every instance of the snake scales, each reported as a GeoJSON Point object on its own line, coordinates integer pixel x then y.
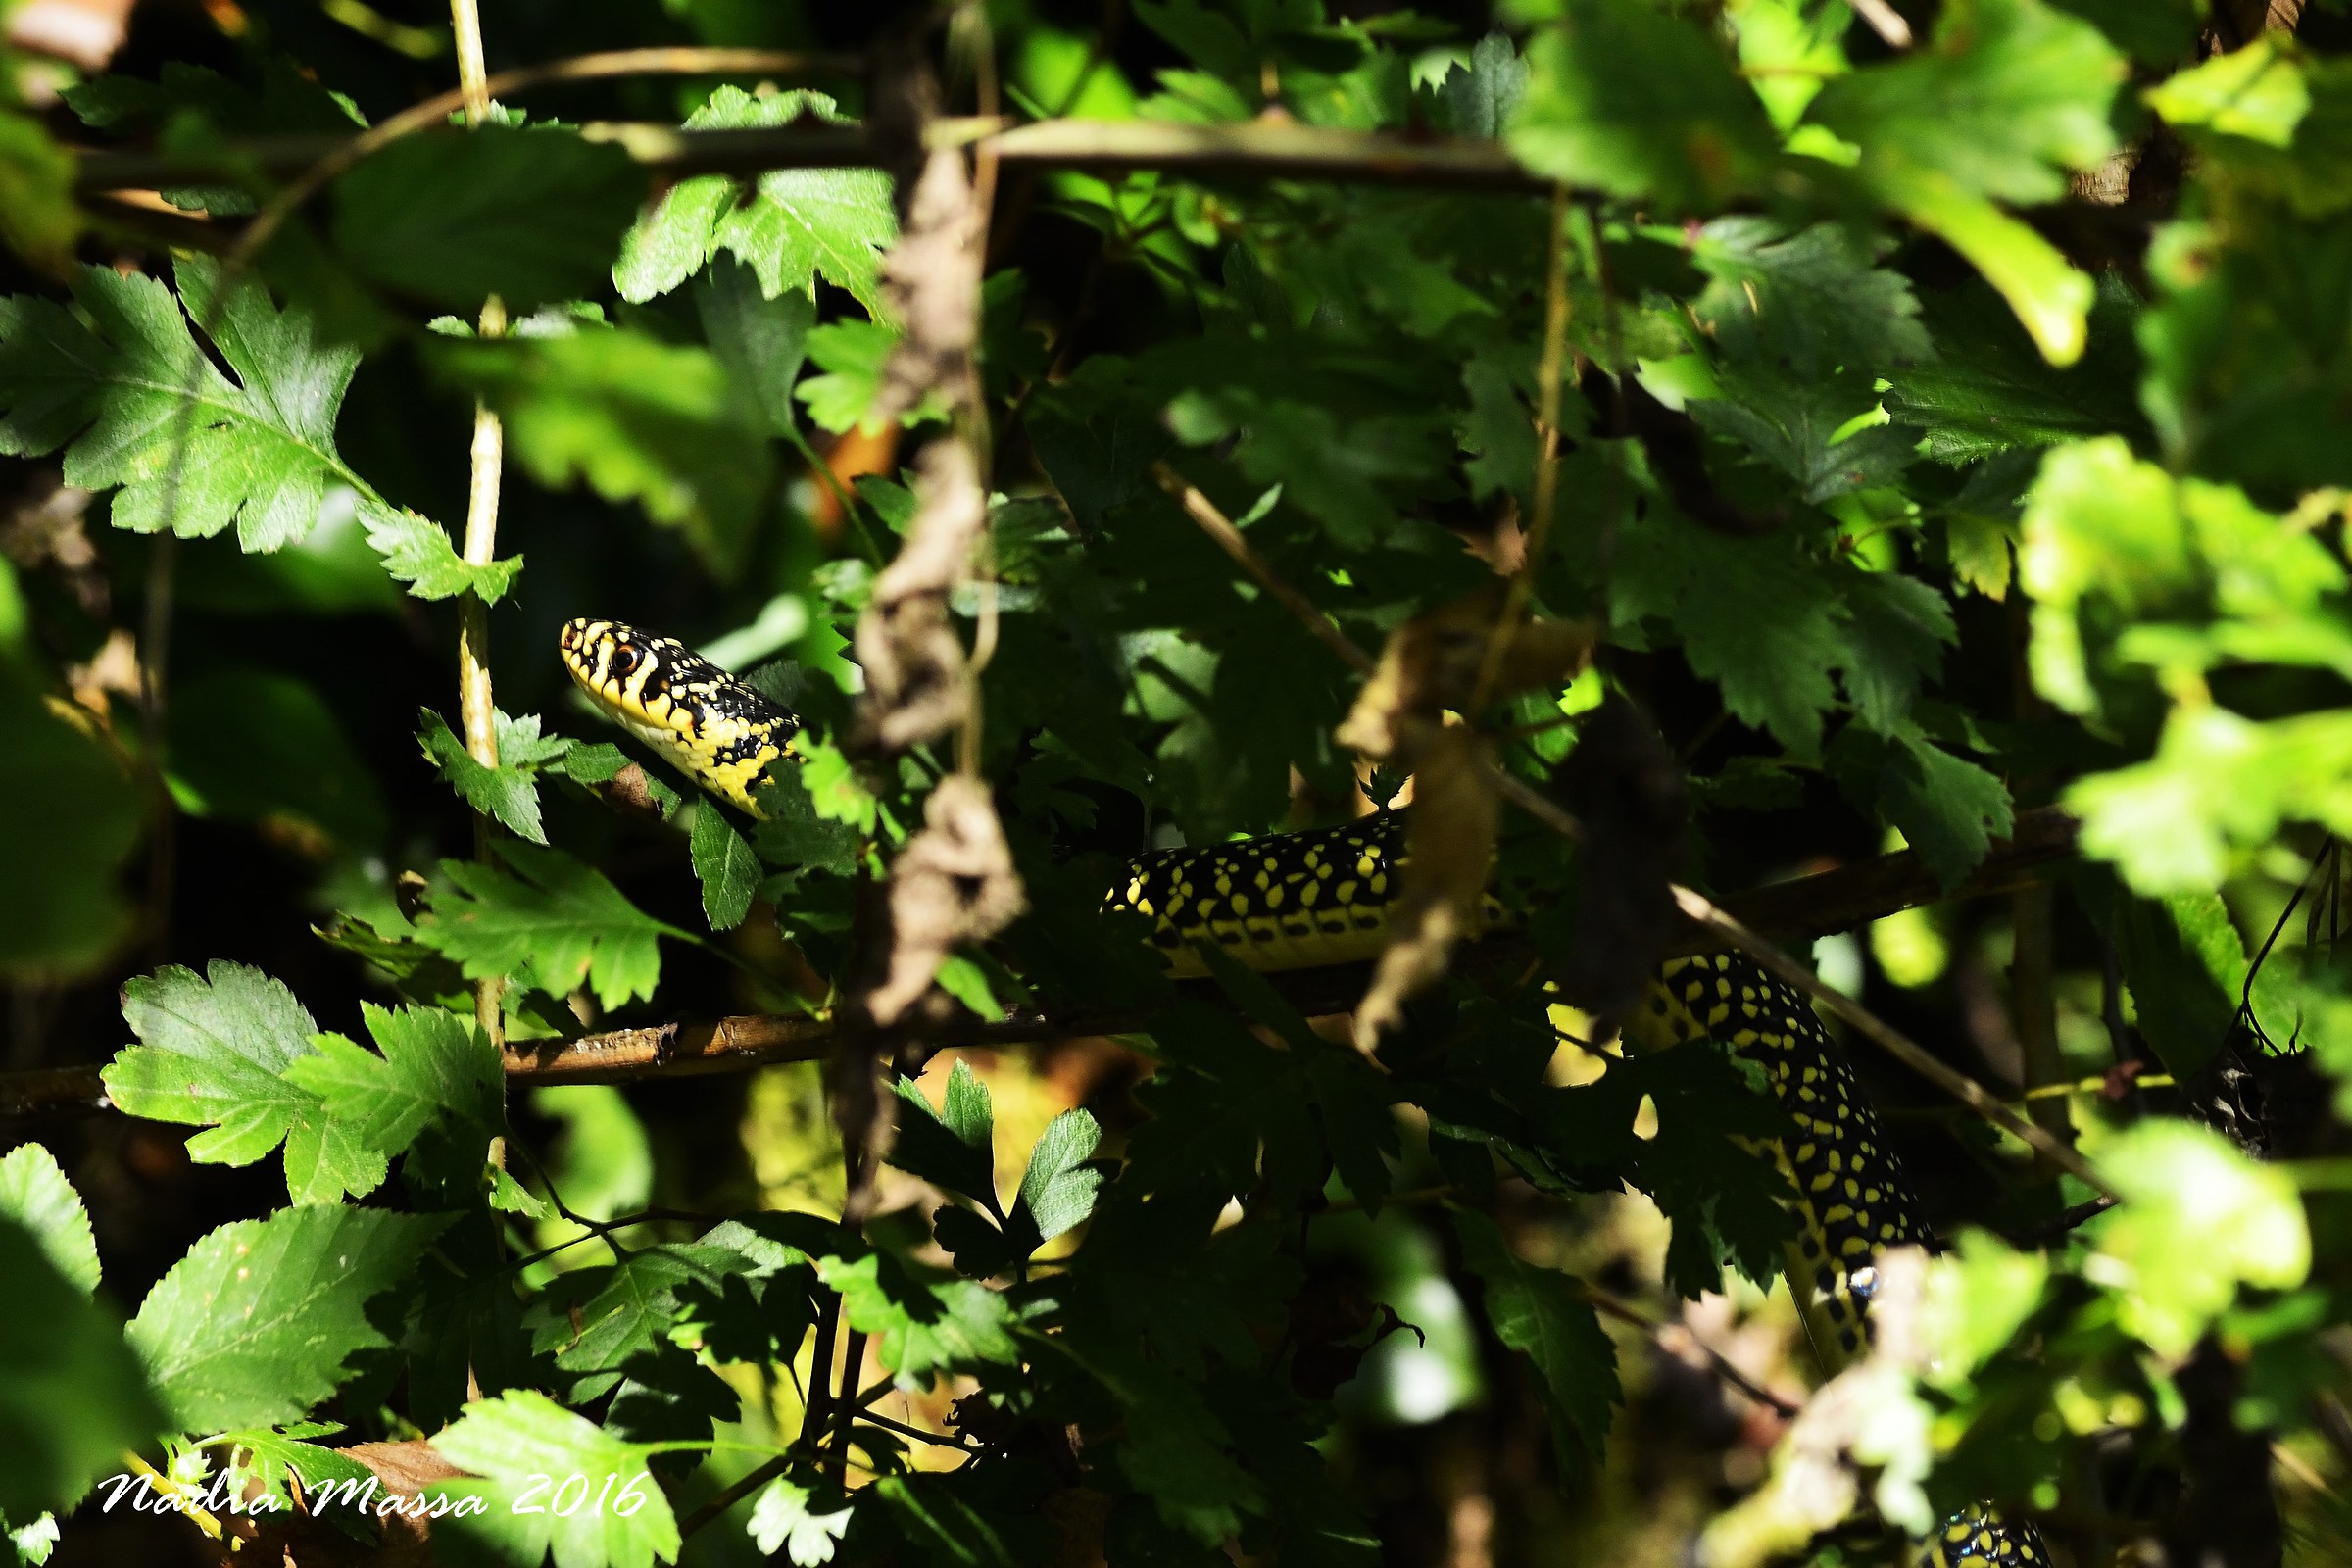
{"type": "Point", "coordinates": [1294, 900]}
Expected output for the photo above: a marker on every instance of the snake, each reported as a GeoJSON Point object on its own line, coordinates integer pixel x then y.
{"type": "Point", "coordinates": [1323, 896]}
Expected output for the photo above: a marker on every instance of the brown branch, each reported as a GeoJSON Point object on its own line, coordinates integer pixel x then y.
{"type": "Point", "coordinates": [1220, 528]}
{"type": "Point", "coordinates": [1797, 910]}
{"type": "Point", "coordinates": [1257, 150]}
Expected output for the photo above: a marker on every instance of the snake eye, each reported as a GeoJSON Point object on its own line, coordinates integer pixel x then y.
{"type": "Point", "coordinates": [624, 661]}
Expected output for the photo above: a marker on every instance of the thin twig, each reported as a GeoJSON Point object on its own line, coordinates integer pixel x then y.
{"type": "Point", "coordinates": [1220, 528]}
{"type": "Point", "coordinates": [477, 704]}
{"type": "Point", "coordinates": [1626, 1313]}
{"type": "Point", "coordinates": [655, 62]}
{"type": "Point", "coordinates": [1885, 20]}
{"type": "Point", "coordinates": [1902, 1047]}
{"type": "Point", "coordinates": [728, 1497]}
{"type": "Point", "coordinates": [916, 1433]}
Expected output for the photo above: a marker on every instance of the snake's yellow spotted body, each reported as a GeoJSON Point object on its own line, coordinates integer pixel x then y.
{"type": "Point", "coordinates": [1295, 900]}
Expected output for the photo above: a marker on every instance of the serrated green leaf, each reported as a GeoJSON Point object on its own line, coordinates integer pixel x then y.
{"type": "Point", "coordinates": [418, 553]}
{"type": "Point", "coordinates": [730, 872]}
{"type": "Point", "coordinates": [1640, 104]}
{"type": "Point", "coordinates": [272, 1458]}
{"type": "Point", "coordinates": [596, 1320]}
{"type": "Point", "coordinates": [1538, 1312]}
{"type": "Point", "coordinates": [531, 215]}
{"type": "Point", "coordinates": [214, 1051]}
{"type": "Point", "coordinates": [124, 388]}
{"type": "Point", "coordinates": [36, 1194]}
{"type": "Point", "coordinates": [1754, 616]}
{"type": "Point", "coordinates": [1057, 1188]}
{"type": "Point", "coordinates": [564, 921]}
{"type": "Point", "coordinates": [1483, 96]}
{"type": "Point", "coordinates": [1810, 300]}
{"type": "Point", "coordinates": [802, 225]}
{"type": "Point", "coordinates": [761, 341]}
{"type": "Point", "coordinates": [920, 1329]}
{"type": "Point", "coordinates": [253, 1326]}
{"type": "Point", "coordinates": [2004, 98]}
{"type": "Point", "coordinates": [1895, 632]}
{"type": "Point", "coordinates": [783, 1520]}
{"type": "Point", "coordinates": [432, 1068]}
{"type": "Point", "coordinates": [2256, 91]}
{"type": "Point", "coordinates": [72, 1398]}
{"type": "Point", "coordinates": [796, 835]}
{"type": "Point", "coordinates": [521, 1439]}
{"type": "Point", "coordinates": [953, 1147]}
{"type": "Point", "coordinates": [510, 791]}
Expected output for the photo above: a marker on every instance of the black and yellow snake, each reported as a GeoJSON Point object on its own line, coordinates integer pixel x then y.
{"type": "Point", "coordinates": [1295, 900]}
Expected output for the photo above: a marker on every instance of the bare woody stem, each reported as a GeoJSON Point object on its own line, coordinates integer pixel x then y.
{"type": "Point", "coordinates": [477, 706]}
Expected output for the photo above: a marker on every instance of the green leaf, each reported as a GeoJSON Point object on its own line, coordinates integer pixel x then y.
{"type": "Point", "coordinates": [796, 835]}
{"type": "Point", "coordinates": [521, 1439]}
{"type": "Point", "coordinates": [782, 1520]}
{"type": "Point", "coordinates": [730, 872]}
{"type": "Point", "coordinates": [2003, 99]}
{"type": "Point", "coordinates": [597, 1320]}
{"type": "Point", "coordinates": [2199, 1218]}
{"type": "Point", "coordinates": [953, 1147]}
{"type": "Point", "coordinates": [1754, 616]}
{"type": "Point", "coordinates": [638, 419]}
{"type": "Point", "coordinates": [2101, 521]}
{"type": "Point", "coordinates": [144, 409]}
{"type": "Point", "coordinates": [34, 1193]}
{"type": "Point", "coordinates": [253, 1326]}
{"type": "Point", "coordinates": [416, 552]}
{"type": "Point", "coordinates": [1538, 1312]}
{"type": "Point", "coordinates": [1988, 388]}
{"type": "Point", "coordinates": [1946, 808]}
{"type": "Point", "coordinates": [1057, 1188]}
{"type": "Point", "coordinates": [72, 1398]}
{"type": "Point", "coordinates": [802, 225]}
{"type": "Point", "coordinates": [1896, 629]}
{"type": "Point", "coordinates": [272, 1458]}
{"type": "Point", "coordinates": [762, 342]}
{"type": "Point", "coordinates": [920, 1329]}
{"type": "Point", "coordinates": [1801, 428]}
{"type": "Point", "coordinates": [2185, 966]}
{"type": "Point", "coordinates": [510, 791]}
{"type": "Point", "coordinates": [65, 909]}
{"type": "Point", "coordinates": [214, 1051]}
{"type": "Point", "coordinates": [2257, 92]}
{"type": "Point", "coordinates": [258, 744]}
{"type": "Point", "coordinates": [1810, 300]}
{"type": "Point", "coordinates": [452, 216]}
{"type": "Point", "coordinates": [851, 354]}
{"type": "Point", "coordinates": [1977, 1297]}
{"type": "Point", "coordinates": [433, 1067]}
{"type": "Point", "coordinates": [1640, 104]}
{"type": "Point", "coordinates": [1482, 97]}
{"type": "Point", "coordinates": [548, 912]}
{"type": "Point", "coordinates": [37, 216]}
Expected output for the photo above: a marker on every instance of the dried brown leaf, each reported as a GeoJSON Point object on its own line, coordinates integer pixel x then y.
{"type": "Point", "coordinates": [1449, 845]}
{"type": "Point", "coordinates": [1430, 664]}
{"type": "Point", "coordinates": [953, 883]}
{"type": "Point", "coordinates": [931, 283]}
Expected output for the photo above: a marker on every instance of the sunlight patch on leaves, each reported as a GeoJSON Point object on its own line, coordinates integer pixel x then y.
{"type": "Point", "coordinates": [122, 385]}
{"type": "Point", "coordinates": [802, 225]}
{"type": "Point", "coordinates": [417, 551]}
{"type": "Point", "coordinates": [73, 1396]}
{"type": "Point", "coordinates": [563, 922]}
{"type": "Point", "coordinates": [36, 1194]}
{"type": "Point", "coordinates": [214, 1049]}
{"type": "Point", "coordinates": [521, 1439]}
{"type": "Point", "coordinates": [255, 1325]}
